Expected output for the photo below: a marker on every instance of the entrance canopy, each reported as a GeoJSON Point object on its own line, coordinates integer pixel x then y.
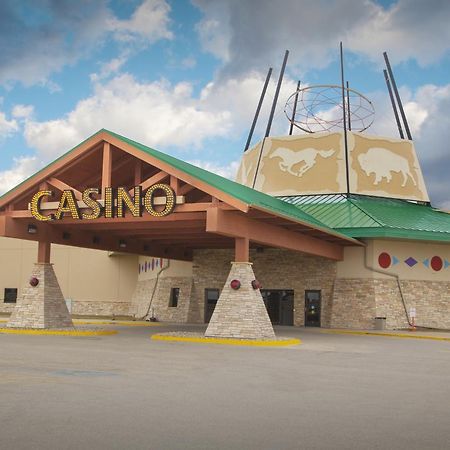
{"type": "Point", "coordinates": [112, 193]}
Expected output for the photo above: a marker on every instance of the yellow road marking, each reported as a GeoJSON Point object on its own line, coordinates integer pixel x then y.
{"type": "Point", "coordinates": [227, 341]}
{"type": "Point", "coordinates": [58, 332]}
{"type": "Point", "coordinates": [395, 335]}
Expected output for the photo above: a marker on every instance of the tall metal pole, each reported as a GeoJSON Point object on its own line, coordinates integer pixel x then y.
{"type": "Point", "coordinates": [394, 107]}
{"type": "Point", "coordinates": [272, 112]}
{"type": "Point", "coordinates": [397, 96]}
{"type": "Point", "coordinates": [258, 109]}
{"type": "Point", "coordinates": [294, 109]}
{"type": "Point", "coordinates": [277, 92]}
{"type": "Point", "coordinates": [348, 109]}
{"type": "Point", "coordinates": [344, 120]}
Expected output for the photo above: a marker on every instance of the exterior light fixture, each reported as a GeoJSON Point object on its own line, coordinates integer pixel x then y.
{"type": "Point", "coordinates": [122, 244]}
{"type": "Point", "coordinates": [32, 229]}
{"type": "Point", "coordinates": [256, 284]}
{"type": "Point", "coordinates": [235, 284]}
{"type": "Point", "coordinates": [34, 281]}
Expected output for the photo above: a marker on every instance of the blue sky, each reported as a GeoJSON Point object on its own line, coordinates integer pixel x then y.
{"type": "Point", "coordinates": [185, 76]}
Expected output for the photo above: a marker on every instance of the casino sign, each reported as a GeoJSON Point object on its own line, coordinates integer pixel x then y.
{"type": "Point", "coordinates": [115, 203]}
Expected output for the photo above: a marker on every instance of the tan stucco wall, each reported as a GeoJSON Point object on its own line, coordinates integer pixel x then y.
{"type": "Point", "coordinates": [88, 277]}
{"type": "Point", "coordinates": [353, 264]}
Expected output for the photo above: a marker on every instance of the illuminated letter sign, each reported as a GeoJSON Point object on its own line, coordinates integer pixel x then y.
{"type": "Point", "coordinates": [67, 204]}
{"type": "Point", "coordinates": [115, 203]}
{"type": "Point", "coordinates": [91, 203]}
{"type": "Point", "coordinates": [170, 200]}
{"type": "Point", "coordinates": [36, 204]}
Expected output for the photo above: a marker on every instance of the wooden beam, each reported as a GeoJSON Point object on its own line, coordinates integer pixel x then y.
{"type": "Point", "coordinates": [138, 172]}
{"type": "Point", "coordinates": [80, 238]}
{"type": "Point", "coordinates": [106, 167]}
{"type": "Point", "coordinates": [58, 184]}
{"type": "Point", "coordinates": [157, 178]}
{"type": "Point", "coordinates": [174, 184]}
{"type": "Point", "coordinates": [235, 224]}
{"type": "Point", "coordinates": [44, 252]}
{"type": "Point", "coordinates": [186, 188]}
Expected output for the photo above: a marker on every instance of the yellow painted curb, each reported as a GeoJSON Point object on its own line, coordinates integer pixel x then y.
{"type": "Point", "coordinates": [395, 335]}
{"type": "Point", "coordinates": [226, 341]}
{"type": "Point", "coordinates": [58, 332]}
{"type": "Point", "coordinates": [117, 322]}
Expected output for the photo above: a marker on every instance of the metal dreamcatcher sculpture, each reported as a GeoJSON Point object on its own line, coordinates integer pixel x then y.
{"type": "Point", "coordinates": [319, 108]}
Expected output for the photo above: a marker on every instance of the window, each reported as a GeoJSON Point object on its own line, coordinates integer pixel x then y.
{"type": "Point", "coordinates": [10, 295]}
{"type": "Point", "coordinates": [174, 294]}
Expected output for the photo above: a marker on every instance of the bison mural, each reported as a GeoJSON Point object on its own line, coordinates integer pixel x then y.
{"type": "Point", "coordinates": [383, 163]}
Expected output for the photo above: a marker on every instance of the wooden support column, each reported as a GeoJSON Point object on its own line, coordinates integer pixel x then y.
{"type": "Point", "coordinates": [241, 249]}
{"type": "Point", "coordinates": [44, 252]}
{"type": "Point", "coordinates": [106, 167]}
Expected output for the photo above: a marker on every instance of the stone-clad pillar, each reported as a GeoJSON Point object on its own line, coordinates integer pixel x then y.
{"type": "Point", "coordinates": [240, 313]}
{"type": "Point", "coordinates": [42, 303]}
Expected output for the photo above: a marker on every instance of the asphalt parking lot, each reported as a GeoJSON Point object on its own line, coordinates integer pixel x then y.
{"type": "Point", "coordinates": [129, 392]}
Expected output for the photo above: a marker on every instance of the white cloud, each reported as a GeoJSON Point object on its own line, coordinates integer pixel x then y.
{"type": "Point", "coordinates": [66, 31]}
{"type": "Point", "coordinates": [7, 127]}
{"type": "Point", "coordinates": [22, 168]}
{"type": "Point", "coordinates": [23, 111]}
{"type": "Point", "coordinates": [156, 113]}
{"type": "Point", "coordinates": [160, 114]}
{"type": "Point", "coordinates": [227, 171]}
{"type": "Point", "coordinates": [248, 35]}
{"type": "Point", "coordinates": [150, 21]}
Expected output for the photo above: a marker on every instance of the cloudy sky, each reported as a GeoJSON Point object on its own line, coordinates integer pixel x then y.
{"type": "Point", "coordinates": [185, 76]}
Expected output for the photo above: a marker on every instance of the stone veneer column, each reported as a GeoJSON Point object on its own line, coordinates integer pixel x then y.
{"type": "Point", "coordinates": [42, 306]}
{"type": "Point", "coordinates": [240, 313]}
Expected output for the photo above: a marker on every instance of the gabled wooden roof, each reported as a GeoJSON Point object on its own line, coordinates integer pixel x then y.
{"type": "Point", "coordinates": [128, 163]}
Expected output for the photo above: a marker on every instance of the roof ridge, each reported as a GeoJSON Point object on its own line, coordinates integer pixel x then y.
{"type": "Point", "coordinates": [382, 224]}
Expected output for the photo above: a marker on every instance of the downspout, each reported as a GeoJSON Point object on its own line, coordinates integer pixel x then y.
{"type": "Point", "coordinates": [154, 289]}
{"type": "Point", "coordinates": [372, 269]}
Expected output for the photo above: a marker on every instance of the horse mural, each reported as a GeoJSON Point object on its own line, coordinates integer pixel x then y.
{"type": "Point", "coordinates": [291, 158]}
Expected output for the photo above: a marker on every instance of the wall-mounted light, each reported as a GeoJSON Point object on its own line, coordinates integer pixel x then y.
{"type": "Point", "coordinates": [34, 281]}
{"type": "Point", "coordinates": [122, 244]}
{"type": "Point", "coordinates": [256, 284]}
{"type": "Point", "coordinates": [32, 229]}
{"type": "Point", "coordinates": [235, 284]}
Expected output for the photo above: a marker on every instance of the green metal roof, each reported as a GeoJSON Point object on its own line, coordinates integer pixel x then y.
{"type": "Point", "coordinates": [362, 216]}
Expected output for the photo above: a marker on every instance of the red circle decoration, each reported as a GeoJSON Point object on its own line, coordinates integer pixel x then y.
{"type": "Point", "coordinates": [436, 263]}
{"type": "Point", "coordinates": [34, 281]}
{"type": "Point", "coordinates": [235, 284]}
{"type": "Point", "coordinates": [384, 260]}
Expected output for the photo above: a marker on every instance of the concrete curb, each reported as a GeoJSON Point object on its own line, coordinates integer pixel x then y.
{"type": "Point", "coordinates": [227, 341]}
{"type": "Point", "coordinates": [58, 332]}
{"type": "Point", "coordinates": [394, 335]}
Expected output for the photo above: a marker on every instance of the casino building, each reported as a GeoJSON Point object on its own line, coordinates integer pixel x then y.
{"type": "Point", "coordinates": [115, 227]}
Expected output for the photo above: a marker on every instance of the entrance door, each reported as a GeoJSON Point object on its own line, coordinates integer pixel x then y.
{"type": "Point", "coordinates": [312, 308]}
{"type": "Point", "coordinates": [279, 305]}
{"type": "Point", "coordinates": [211, 297]}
